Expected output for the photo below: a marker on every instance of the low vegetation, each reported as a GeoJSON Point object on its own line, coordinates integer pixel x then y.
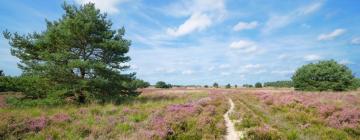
{"type": "Point", "coordinates": [156, 114]}
{"type": "Point", "coordinates": [291, 115]}
{"type": "Point", "coordinates": [162, 84]}
{"type": "Point", "coordinates": [279, 84]}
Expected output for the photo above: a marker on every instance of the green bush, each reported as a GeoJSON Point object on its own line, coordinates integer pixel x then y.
{"type": "Point", "coordinates": [162, 84]}
{"type": "Point", "coordinates": [34, 87]}
{"type": "Point", "coordinates": [324, 76]}
{"type": "Point", "coordinates": [228, 86]}
{"type": "Point", "coordinates": [258, 85]}
{"type": "Point", "coordinates": [287, 84]}
{"type": "Point", "coordinates": [137, 83]}
{"type": "Point", "coordinates": [215, 85]}
{"type": "Point", "coordinates": [247, 85]}
{"type": "Point", "coordinates": [8, 83]}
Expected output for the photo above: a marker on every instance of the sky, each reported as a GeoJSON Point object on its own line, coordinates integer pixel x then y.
{"type": "Point", "coordinates": [198, 42]}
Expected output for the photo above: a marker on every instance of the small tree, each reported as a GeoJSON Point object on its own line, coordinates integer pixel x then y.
{"type": "Point", "coordinates": [228, 86]}
{"type": "Point", "coordinates": [235, 86]}
{"type": "Point", "coordinates": [80, 53]}
{"type": "Point", "coordinates": [258, 85]}
{"type": "Point", "coordinates": [162, 84]}
{"type": "Point", "coordinates": [216, 85]}
{"type": "Point", "coordinates": [322, 76]}
{"type": "Point", "coordinates": [2, 73]}
{"type": "Point", "coordinates": [248, 85]}
{"type": "Point", "coordinates": [206, 86]}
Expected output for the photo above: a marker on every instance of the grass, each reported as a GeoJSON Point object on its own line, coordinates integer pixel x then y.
{"type": "Point", "coordinates": [264, 114]}
{"type": "Point", "coordinates": [132, 119]}
{"type": "Point", "coordinates": [286, 118]}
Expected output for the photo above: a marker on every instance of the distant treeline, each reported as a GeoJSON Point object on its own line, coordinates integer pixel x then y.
{"type": "Point", "coordinates": [279, 84]}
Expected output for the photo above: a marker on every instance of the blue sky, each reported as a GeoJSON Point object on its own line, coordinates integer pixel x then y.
{"type": "Point", "coordinates": [206, 41]}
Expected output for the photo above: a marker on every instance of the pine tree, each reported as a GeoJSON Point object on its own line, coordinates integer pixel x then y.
{"type": "Point", "coordinates": [79, 52]}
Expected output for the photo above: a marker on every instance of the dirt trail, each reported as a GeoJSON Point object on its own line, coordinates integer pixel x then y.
{"type": "Point", "coordinates": [232, 134]}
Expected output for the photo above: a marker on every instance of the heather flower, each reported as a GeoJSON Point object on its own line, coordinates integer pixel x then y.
{"type": "Point", "coordinates": [346, 118]}
{"type": "Point", "coordinates": [60, 118]}
{"type": "Point", "coordinates": [83, 111]}
{"type": "Point", "coordinates": [326, 110]}
{"type": "Point", "coordinates": [37, 124]}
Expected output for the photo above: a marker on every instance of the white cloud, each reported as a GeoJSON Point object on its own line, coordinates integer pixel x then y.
{"type": "Point", "coordinates": [245, 46]}
{"type": "Point", "coordinates": [187, 72]}
{"type": "Point", "coordinates": [279, 21]}
{"type": "Point", "coordinates": [225, 73]}
{"type": "Point", "coordinates": [196, 22]}
{"type": "Point", "coordinates": [245, 25]}
{"type": "Point", "coordinates": [283, 72]}
{"type": "Point", "coordinates": [224, 66]}
{"type": "Point", "coordinates": [332, 35]}
{"type": "Point", "coordinates": [283, 56]}
{"type": "Point", "coordinates": [202, 14]}
{"type": "Point", "coordinates": [312, 57]}
{"type": "Point", "coordinates": [345, 62]}
{"type": "Point", "coordinates": [252, 66]}
{"type": "Point", "coordinates": [109, 6]}
{"type": "Point", "coordinates": [166, 70]}
{"type": "Point", "coordinates": [355, 41]}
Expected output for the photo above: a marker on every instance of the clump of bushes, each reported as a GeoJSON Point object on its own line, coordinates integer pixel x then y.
{"type": "Point", "coordinates": [228, 86]}
{"type": "Point", "coordinates": [162, 84]}
{"type": "Point", "coordinates": [258, 85]}
{"type": "Point", "coordinates": [279, 84]}
{"type": "Point", "coordinates": [216, 85]}
{"type": "Point", "coordinates": [324, 76]}
{"type": "Point", "coordinates": [248, 85]}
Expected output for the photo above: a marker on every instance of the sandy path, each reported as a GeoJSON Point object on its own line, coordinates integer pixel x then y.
{"type": "Point", "coordinates": [232, 134]}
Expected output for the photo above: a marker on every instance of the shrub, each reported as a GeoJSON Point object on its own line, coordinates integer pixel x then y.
{"type": "Point", "coordinates": [34, 87]}
{"type": "Point", "coordinates": [215, 85]}
{"type": "Point", "coordinates": [323, 76]}
{"type": "Point", "coordinates": [162, 84]}
{"type": "Point", "coordinates": [247, 85]}
{"type": "Point", "coordinates": [206, 86]}
{"type": "Point", "coordinates": [138, 83]}
{"type": "Point", "coordinates": [258, 85]}
{"type": "Point", "coordinates": [8, 83]}
{"type": "Point", "coordinates": [279, 84]}
{"type": "Point", "coordinates": [228, 86]}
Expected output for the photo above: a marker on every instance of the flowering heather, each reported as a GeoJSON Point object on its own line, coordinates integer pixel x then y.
{"type": "Point", "coordinates": [36, 124]}
{"type": "Point", "coordinates": [338, 109]}
{"type": "Point", "coordinates": [346, 118]}
{"type": "Point", "coordinates": [61, 117]}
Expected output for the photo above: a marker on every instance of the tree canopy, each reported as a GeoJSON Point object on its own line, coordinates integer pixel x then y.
{"type": "Point", "coordinates": [162, 84]}
{"type": "Point", "coordinates": [79, 53]}
{"type": "Point", "coordinates": [323, 76]}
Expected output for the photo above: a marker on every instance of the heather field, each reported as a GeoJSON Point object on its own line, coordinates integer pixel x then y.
{"type": "Point", "coordinates": [193, 114]}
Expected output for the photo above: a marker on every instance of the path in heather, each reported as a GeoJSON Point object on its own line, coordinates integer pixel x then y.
{"type": "Point", "coordinates": [232, 134]}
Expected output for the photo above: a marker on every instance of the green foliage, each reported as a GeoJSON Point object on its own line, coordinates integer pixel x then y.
{"type": "Point", "coordinates": [206, 86]}
{"type": "Point", "coordinates": [248, 85]}
{"type": "Point", "coordinates": [287, 84]}
{"type": "Point", "coordinates": [258, 85]}
{"type": "Point", "coordinates": [8, 83]}
{"type": "Point", "coordinates": [78, 52]}
{"type": "Point", "coordinates": [2, 73]}
{"type": "Point", "coordinates": [162, 84]}
{"type": "Point", "coordinates": [34, 87]}
{"type": "Point", "coordinates": [216, 85]}
{"type": "Point", "coordinates": [228, 86]}
{"type": "Point", "coordinates": [138, 83]}
{"type": "Point", "coordinates": [323, 76]}
{"type": "Point", "coordinates": [235, 86]}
